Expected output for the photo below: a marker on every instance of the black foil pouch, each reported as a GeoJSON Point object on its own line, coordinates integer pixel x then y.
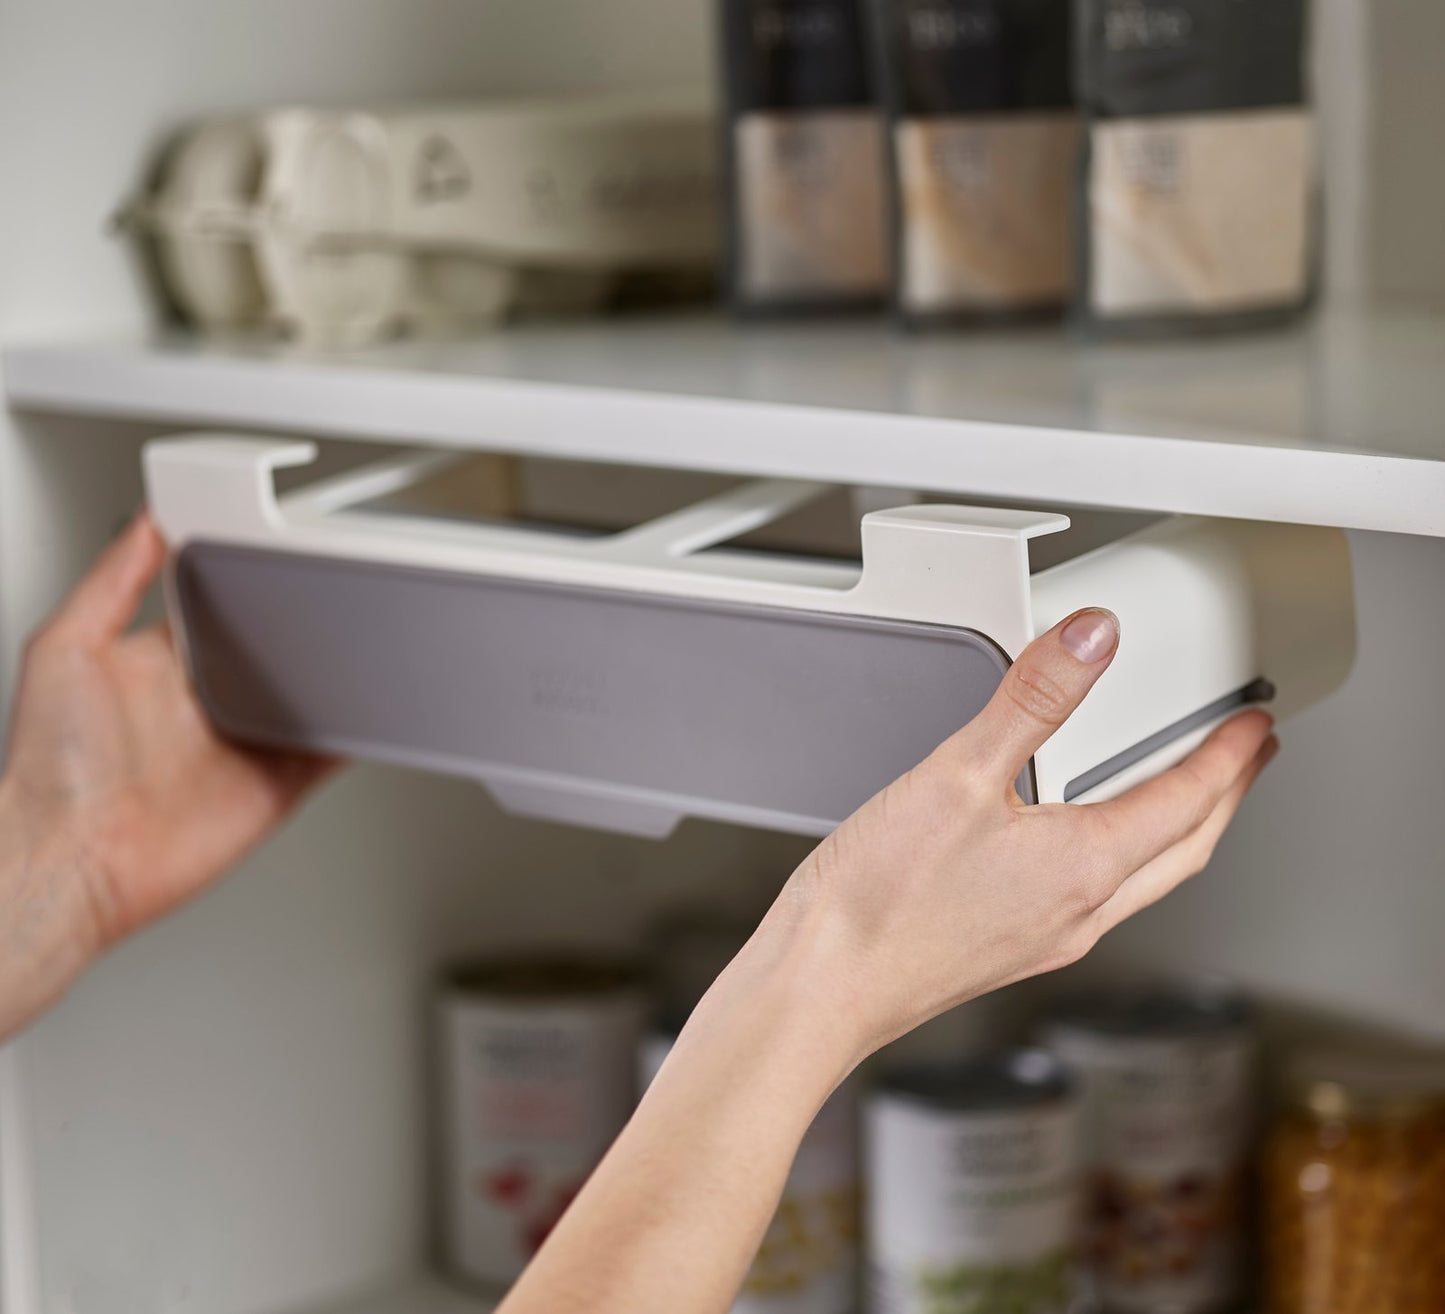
{"type": "Point", "coordinates": [1199, 197]}
{"type": "Point", "coordinates": [984, 149]}
{"type": "Point", "coordinates": [805, 191]}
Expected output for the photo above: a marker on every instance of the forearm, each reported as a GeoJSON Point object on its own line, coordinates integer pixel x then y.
{"type": "Point", "coordinates": [671, 1219]}
{"type": "Point", "coordinates": [46, 925]}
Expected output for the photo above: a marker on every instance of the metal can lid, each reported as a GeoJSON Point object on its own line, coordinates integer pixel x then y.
{"type": "Point", "coordinates": [988, 1083]}
{"type": "Point", "coordinates": [541, 977]}
{"type": "Point", "coordinates": [1155, 1011]}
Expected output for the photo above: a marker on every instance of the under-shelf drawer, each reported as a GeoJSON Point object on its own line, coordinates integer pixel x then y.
{"type": "Point", "coordinates": [625, 678]}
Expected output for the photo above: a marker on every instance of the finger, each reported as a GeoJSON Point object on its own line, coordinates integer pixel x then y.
{"type": "Point", "coordinates": [1038, 693]}
{"type": "Point", "coordinates": [1190, 855]}
{"type": "Point", "coordinates": [106, 600]}
{"type": "Point", "coordinates": [1159, 813]}
{"type": "Point", "coordinates": [289, 774]}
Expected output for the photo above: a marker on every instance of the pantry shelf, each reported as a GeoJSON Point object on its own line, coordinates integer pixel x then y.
{"type": "Point", "coordinates": [1338, 422]}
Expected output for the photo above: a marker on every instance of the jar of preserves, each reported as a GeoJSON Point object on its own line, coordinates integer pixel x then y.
{"type": "Point", "coordinates": [1354, 1191]}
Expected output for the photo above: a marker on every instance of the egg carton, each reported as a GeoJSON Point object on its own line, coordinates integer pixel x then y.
{"type": "Point", "coordinates": [344, 226]}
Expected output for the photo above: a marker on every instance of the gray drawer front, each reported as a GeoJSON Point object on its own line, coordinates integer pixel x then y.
{"type": "Point", "coordinates": [774, 717]}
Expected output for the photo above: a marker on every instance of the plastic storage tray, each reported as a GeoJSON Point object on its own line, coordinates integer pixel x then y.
{"type": "Point", "coordinates": [627, 680]}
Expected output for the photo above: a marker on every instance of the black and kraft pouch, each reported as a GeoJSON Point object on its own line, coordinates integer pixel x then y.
{"type": "Point", "coordinates": [1198, 206]}
{"type": "Point", "coordinates": [803, 153]}
{"type": "Point", "coordinates": [983, 139]}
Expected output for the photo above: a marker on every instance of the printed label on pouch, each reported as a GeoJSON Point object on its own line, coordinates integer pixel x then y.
{"type": "Point", "coordinates": [985, 206]}
{"type": "Point", "coordinates": [1200, 184]}
{"type": "Point", "coordinates": [1200, 214]}
{"type": "Point", "coordinates": [985, 149]}
{"type": "Point", "coordinates": [808, 192]}
{"type": "Point", "coordinates": [811, 205]}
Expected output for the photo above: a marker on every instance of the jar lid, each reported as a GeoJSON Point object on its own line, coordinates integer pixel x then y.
{"type": "Point", "coordinates": [1342, 1084]}
{"type": "Point", "coordinates": [548, 977]}
{"type": "Point", "coordinates": [1155, 1010]}
{"type": "Point", "coordinates": [985, 1083]}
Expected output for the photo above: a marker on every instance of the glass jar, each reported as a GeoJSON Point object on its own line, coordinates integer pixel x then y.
{"type": "Point", "coordinates": [1354, 1193]}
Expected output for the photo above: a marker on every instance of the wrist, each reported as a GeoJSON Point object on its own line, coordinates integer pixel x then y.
{"type": "Point", "coordinates": [774, 1015]}
{"type": "Point", "coordinates": [49, 931]}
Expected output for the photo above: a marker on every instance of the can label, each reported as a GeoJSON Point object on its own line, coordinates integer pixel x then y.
{"type": "Point", "coordinates": [970, 1213]}
{"type": "Point", "coordinates": [808, 1260]}
{"type": "Point", "coordinates": [1167, 1125]}
{"type": "Point", "coordinates": [534, 1094]}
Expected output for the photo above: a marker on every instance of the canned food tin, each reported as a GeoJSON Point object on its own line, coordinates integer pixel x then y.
{"type": "Point", "coordinates": [1166, 1083]}
{"type": "Point", "coordinates": [808, 1260]}
{"type": "Point", "coordinates": [538, 1075]}
{"type": "Point", "coordinates": [972, 1188]}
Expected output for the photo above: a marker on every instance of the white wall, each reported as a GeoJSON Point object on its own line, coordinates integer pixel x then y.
{"type": "Point", "coordinates": [227, 1115]}
{"type": "Point", "coordinates": [1404, 253]}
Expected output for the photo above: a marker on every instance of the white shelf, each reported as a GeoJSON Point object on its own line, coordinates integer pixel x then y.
{"type": "Point", "coordinates": [421, 1295]}
{"type": "Point", "coordinates": [1338, 422]}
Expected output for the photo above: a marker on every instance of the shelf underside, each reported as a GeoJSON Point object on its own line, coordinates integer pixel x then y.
{"type": "Point", "coordinates": [1340, 421]}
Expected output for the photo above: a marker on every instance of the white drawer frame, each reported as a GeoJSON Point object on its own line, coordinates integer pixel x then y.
{"type": "Point", "coordinates": [1209, 609]}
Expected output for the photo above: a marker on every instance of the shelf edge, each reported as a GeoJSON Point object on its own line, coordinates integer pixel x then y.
{"type": "Point", "coordinates": [1352, 490]}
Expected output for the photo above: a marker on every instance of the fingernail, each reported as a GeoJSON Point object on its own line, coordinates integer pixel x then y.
{"type": "Point", "coordinates": [1092, 635]}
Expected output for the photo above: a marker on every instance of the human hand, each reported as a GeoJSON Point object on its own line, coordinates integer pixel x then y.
{"type": "Point", "coordinates": [940, 888]}
{"type": "Point", "coordinates": [945, 885]}
{"type": "Point", "coordinates": [118, 800]}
